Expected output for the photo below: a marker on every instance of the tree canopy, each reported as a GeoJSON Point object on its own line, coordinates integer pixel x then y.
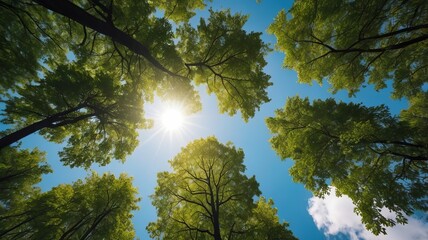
{"type": "Point", "coordinates": [97, 208]}
{"type": "Point", "coordinates": [90, 66]}
{"type": "Point", "coordinates": [81, 72]}
{"type": "Point", "coordinates": [131, 42]}
{"type": "Point", "coordinates": [20, 171]}
{"type": "Point", "coordinates": [352, 43]}
{"type": "Point", "coordinates": [207, 196]}
{"type": "Point", "coordinates": [98, 114]}
{"type": "Point", "coordinates": [378, 160]}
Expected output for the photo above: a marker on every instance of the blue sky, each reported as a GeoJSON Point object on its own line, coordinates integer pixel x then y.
{"type": "Point", "coordinates": [154, 151]}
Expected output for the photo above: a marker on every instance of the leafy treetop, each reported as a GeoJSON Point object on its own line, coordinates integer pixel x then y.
{"type": "Point", "coordinates": [98, 114]}
{"type": "Point", "coordinates": [98, 208]}
{"type": "Point", "coordinates": [207, 195]}
{"type": "Point", "coordinates": [351, 43]}
{"type": "Point", "coordinates": [20, 171]}
{"type": "Point", "coordinates": [378, 160]}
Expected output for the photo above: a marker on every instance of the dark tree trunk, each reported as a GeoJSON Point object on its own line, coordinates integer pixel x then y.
{"type": "Point", "coordinates": [216, 222]}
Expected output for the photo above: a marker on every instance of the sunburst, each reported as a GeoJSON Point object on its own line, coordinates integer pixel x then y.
{"type": "Point", "coordinates": [172, 119]}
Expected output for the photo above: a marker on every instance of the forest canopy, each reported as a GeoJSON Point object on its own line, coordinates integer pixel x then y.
{"type": "Point", "coordinates": [90, 66]}
{"type": "Point", "coordinates": [81, 74]}
{"type": "Point", "coordinates": [377, 159]}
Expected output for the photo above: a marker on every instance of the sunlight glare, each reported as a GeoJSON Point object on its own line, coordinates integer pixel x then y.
{"type": "Point", "coordinates": [172, 119]}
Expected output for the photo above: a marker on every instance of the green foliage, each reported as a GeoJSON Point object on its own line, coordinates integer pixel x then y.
{"type": "Point", "coordinates": [25, 45]}
{"type": "Point", "coordinates": [178, 10]}
{"type": "Point", "coordinates": [122, 55]}
{"type": "Point", "coordinates": [265, 224]}
{"type": "Point", "coordinates": [228, 59]}
{"type": "Point", "coordinates": [378, 160]}
{"type": "Point", "coordinates": [417, 117]}
{"type": "Point", "coordinates": [98, 114]}
{"type": "Point", "coordinates": [20, 170]}
{"type": "Point", "coordinates": [352, 43]}
{"type": "Point", "coordinates": [97, 208]}
{"type": "Point", "coordinates": [235, 55]}
{"type": "Point", "coordinates": [207, 196]}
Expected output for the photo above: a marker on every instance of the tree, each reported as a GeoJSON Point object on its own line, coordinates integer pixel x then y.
{"type": "Point", "coordinates": [129, 40]}
{"type": "Point", "coordinates": [97, 208]}
{"type": "Point", "coordinates": [97, 113]}
{"type": "Point", "coordinates": [207, 196]}
{"type": "Point", "coordinates": [378, 160]}
{"type": "Point", "coordinates": [20, 170]}
{"type": "Point", "coordinates": [351, 43]}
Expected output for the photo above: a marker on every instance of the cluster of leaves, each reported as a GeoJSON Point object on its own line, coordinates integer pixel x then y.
{"type": "Point", "coordinates": [20, 170]}
{"type": "Point", "coordinates": [98, 114]}
{"type": "Point", "coordinates": [351, 43]}
{"type": "Point", "coordinates": [129, 40]}
{"type": "Point", "coordinates": [207, 195]}
{"type": "Point", "coordinates": [99, 207]}
{"type": "Point", "coordinates": [379, 161]}
{"type": "Point", "coordinates": [214, 54]}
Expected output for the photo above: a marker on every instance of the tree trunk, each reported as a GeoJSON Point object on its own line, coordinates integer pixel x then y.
{"type": "Point", "coordinates": [216, 222]}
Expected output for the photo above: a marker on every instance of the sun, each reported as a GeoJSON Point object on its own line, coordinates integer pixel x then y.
{"type": "Point", "coordinates": [172, 119]}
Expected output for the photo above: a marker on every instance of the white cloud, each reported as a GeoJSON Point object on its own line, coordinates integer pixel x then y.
{"type": "Point", "coordinates": [334, 215]}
